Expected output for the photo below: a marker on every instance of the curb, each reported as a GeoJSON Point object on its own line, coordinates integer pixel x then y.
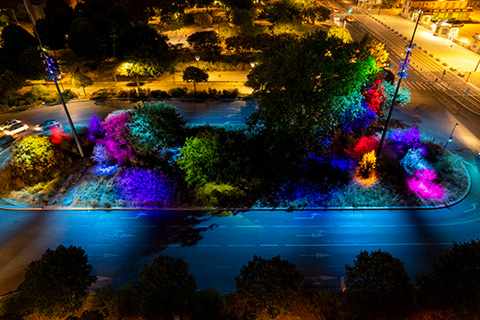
{"type": "Point", "coordinates": [23, 207]}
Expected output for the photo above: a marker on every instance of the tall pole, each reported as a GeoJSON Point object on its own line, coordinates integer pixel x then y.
{"type": "Point", "coordinates": [54, 73]}
{"type": "Point", "coordinates": [401, 75]}
{"type": "Point", "coordinates": [450, 138]}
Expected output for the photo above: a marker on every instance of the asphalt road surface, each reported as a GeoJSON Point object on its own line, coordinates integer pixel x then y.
{"type": "Point", "coordinates": [319, 242]}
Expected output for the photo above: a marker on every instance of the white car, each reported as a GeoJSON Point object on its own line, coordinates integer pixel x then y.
{"type": "Point", "coordinates": [9, 123]}
{"type": "Point", "coordinates": [16, 128]}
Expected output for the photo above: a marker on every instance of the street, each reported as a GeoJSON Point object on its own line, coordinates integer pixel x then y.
{"type": "Point", "coordinates": [319, 242]}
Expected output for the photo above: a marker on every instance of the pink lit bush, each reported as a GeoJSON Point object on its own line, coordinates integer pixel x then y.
{"type": "Point", "coordinates": [424, 186]}
{"type": "Point", "coordinates": [117, 139]}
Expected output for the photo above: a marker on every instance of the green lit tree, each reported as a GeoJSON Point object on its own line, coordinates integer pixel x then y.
{"type": "Point", "coordinates": [217, 156]}
{"type": "Point", "coordinates": [296, 81]}
{"type": "Point", "coordinates": [270, 285]}
{"type": "Point", "coordinates": [57, 283]}
{"type": "Point", "coordinates": [81, 80]}
{"type": "Point", "coordinates": [195, 75]}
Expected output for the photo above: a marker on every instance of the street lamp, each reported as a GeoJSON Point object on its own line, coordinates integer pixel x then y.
{"type": "Point", "coordinates": [401, 75]}
{"type": "Point", "coordinates": [252, 64]}
{"type": "Point", "coordinates": [451, 137]}
{"type": "Point", "coordinates": [54, 74]}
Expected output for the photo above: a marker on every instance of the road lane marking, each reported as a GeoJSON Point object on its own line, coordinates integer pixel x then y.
{"type": "Point", "coordinates": [367, 244]}
{"type": "Point", "coordinates": [474, 207]}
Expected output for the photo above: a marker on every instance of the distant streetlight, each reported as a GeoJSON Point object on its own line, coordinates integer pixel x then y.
{"type": "Point", "coordinates": [252, 64]}
{"type": "Point", "coordinates": [451, 137]}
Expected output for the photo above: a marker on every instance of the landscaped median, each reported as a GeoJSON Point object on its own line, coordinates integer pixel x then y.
{"type": "Point", "coordinates": [149, 157]}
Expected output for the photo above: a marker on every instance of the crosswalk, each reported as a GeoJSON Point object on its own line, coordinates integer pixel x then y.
{"type": "Point", "coordinates": [421, 85]}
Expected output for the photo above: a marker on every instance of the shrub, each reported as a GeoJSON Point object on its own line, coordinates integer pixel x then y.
{"type": "Point", "coordinates": [95, 129]}
{"type": "Point", "coordinates": [144, 187]}
{"type": "Point", "coordinates": [117, 140]}
{"type": "Point", "coordinates": [218, 195]}
{"type": "Point", "coordinates": [33, 153]}
{"type": "Point", "coordinates": [178, 92]}
{"type": "Point", "coordinates": [159, 94]}
{"type": "Point", "coordinates": [219, 156]}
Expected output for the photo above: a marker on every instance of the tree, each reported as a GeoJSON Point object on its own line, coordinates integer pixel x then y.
{"type": "Point", "coordinates": [51, 35]}
{"type": "Point", "coordinates": [270, 285]}
{"type": "Point", "coordinates": [340, 33]}
{"type": "Point", "coordinates": [205, 41]}
{"type": "Point", "coordinates": [145, 49]}
{"type": "Point", "coordinates": [378, 284]}
{"type": "Point", "coordinates": [455, 278]}
{"type": "Point", "coordinates": [58, 282]}
{"type": "Point", "coordinates": [81, 80]}
{"type": "Point", "coordinates": [194, 74]}
{"type": "Point", "coordinates": [84, 40]}
{"type": "Point", "coordinates": [166, 288]}
{"type": "Point", "coordinates": [297, 79]}
{"type": "Point", "coordinates": [218, 156]}
{"type": "Point", "coordinates": [155, 126]}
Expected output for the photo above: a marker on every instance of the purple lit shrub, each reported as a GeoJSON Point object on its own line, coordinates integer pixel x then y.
{"type": "Point", "coordinates": [397, 135]}
{"type": "Point", "coordinates": [139, 186]}
{"type": "Point", "coordinates": [411, 139]}
{"type": "Point", "coordinates": [95, 129]}
{"type": "Point", "coordinates": [424, 186]}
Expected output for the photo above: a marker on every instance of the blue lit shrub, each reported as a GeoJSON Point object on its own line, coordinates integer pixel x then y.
{"type": "Point", "coordinates": [137, 186]}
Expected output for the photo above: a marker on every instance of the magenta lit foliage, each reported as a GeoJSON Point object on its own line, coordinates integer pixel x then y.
{"type": "Point", "coordinates": [117, 140]}
{"type": "Point", "coordinates": [95, 129]}
{"type": "Point", "coordinates": [424, 186]}
{"type": "Point", "coordinates": [144, 187]}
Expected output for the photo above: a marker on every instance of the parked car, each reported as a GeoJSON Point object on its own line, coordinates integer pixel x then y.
{"type": "Point", "coordinates": [9, 123]}
{"type": "Point", "coordinates": [349, 19]}
{"type": "Point", "coordinates": [5, 142]}
{"type": "Point", "coordinates": [15, 128]}
{"type": "Point", "coordinates": [48, 125]}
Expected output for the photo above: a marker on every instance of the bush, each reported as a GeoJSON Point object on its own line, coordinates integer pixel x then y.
{"type": "Point", "coordinates": [219, 156]}
{"type": "Point", "coordinates": [218, 195]}
{"type": "Point", "coordinates": [178, 92]}
{"type": "Point", "coordinates": [144, 187]}
{"type": "Point", "coordinates": [159, 94]}
{"type": "Point", "coordinates": [106, 93]}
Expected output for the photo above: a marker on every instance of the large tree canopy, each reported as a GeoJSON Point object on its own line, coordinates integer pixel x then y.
{"type": "Point", "coordinates": [455, 278]}
{"type": "Point", "coordinates": [146, 49]}
{"type": "Point", "coordinates": [58, 282]}
{"type": "Point", "coordinates": [297, 83]}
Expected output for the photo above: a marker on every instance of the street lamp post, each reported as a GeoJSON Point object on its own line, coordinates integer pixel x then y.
{"type": "Point", "coordinates": [401, 75]}
{"type": "Point", "coordinates": [54, 73]}
{"type": "Point", "coordinates": [451, 137]}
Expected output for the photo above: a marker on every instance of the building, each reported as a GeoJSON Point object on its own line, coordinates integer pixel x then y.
{"type": "Point", "coordinates": [443, 17]}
